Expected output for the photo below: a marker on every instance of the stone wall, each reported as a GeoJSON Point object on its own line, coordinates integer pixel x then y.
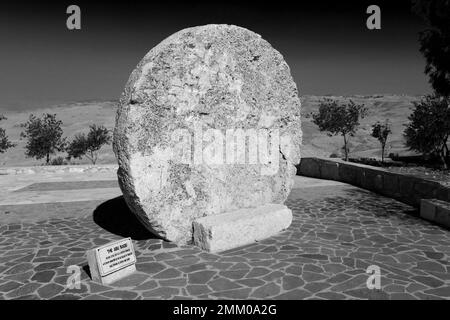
{"type": "Point", "coordinates": [437, 211]}
{"type": "Point", "coordinates": [58, 169]}
{"type": "Point", "coordinates": [405, 188]}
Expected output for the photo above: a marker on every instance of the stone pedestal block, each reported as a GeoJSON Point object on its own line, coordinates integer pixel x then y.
{"type": "Point", "coordinates": [241, 227]}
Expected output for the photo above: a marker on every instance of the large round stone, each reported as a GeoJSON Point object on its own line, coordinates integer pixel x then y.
{"type": "Point", "coordinates": [209, 122]}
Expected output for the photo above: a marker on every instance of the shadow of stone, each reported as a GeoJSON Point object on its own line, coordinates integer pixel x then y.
{"type": "Point", "coordinates": [115, 216]}
{"type": "Point", "coordinates": [87, 270]}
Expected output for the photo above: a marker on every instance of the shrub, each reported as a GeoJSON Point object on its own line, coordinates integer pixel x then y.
{"type": "Point", "coordinates": [429, 127]}
{"type": "Point", "coordinates": [89, 145]}
{"type": "Point", "coordinates": [334, 155]}
{"type": "Point", "coordinates": [58, 161]}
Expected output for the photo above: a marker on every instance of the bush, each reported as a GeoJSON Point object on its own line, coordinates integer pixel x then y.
{"type": "Point", "coordinates": [429, 128]}
{"type": "Point", "coordinates": [334, 155]}
{"type": "Point", "coordinates": [377, 163]}
{"type": "Point", "coordinates": [89, 145]}
{"type": "Point", "coordinates": [58, 161]}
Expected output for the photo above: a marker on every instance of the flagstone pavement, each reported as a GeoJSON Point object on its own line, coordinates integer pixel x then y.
{"type": "Point", "coordinates": [338, 231]}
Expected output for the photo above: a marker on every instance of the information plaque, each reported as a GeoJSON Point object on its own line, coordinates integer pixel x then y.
{"type": "Point", "coordinates": [112, 261]}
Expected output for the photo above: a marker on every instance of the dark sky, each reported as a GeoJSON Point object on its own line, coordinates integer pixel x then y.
{"type": "Point", "coordinates": [326, 44]}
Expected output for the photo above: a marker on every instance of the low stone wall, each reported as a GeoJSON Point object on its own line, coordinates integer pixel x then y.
{"type": "Point", "coordinates": [405, 188]}
{"type": "Point", "coordinates": [58, 169]}
{"type": "Point", "coordinates": [437, 211]}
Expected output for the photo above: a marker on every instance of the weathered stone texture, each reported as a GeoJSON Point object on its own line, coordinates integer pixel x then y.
{"type": "Point", "coordinates": [241, 227]}
{"type": "Point", "coordinates": [209, 77]}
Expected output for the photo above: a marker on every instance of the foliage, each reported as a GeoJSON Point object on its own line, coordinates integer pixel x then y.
{"type": "Point", "coordinates": [58, 161]}
{"type": "Point", "coordinates": [435, 42]}
{"type": "Point", "coordinates": [44, 136]}
{"type": "Point", "coordinates": [429, 127]}
{"type": "Point", "coordinates": [381, 132]}
{"type": "Point", "coordinates": [339, 119]}
{"type": "Point", "coordinates": [5, 144]}
{"type": "Point", "coordinates": [334, 155]}
{"type": "Point", "coordinates": [90, 144]}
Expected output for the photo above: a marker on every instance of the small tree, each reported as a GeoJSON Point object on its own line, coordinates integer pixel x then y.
{"type": "Point", "coordinates": [89, 145]}
{"type": "Point", "coordinates": [339, 119]}
{"type": "Point", "coordinates": [429, 127]}
{"type": "Point", "coordinates": [5, 144]}
{"type": "Point", "coordinates": [381, 132]}
{"type": "Point", "coordinates": [44, 136]}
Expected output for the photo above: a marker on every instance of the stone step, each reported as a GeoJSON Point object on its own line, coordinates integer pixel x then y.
{"type": "Point", "coordinates": [241, 227]}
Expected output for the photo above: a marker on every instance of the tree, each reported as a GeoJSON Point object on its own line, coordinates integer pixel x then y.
{"type": "Point", "coordinates": [381, 132]}
{"type": "Point", "coordinates": [339, 119]}
{"type": "Point", "coordinates": [89, 145]}
{"type": "Point", "coordinates": [435, 42]}
{"type": "Point", "coordinates": [5, 144]}
{"type": "Point", "coordinates": [44, 136]}
{"type": "Point", "coordinates": [429, 127]}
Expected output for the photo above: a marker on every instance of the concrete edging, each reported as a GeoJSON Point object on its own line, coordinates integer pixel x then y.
{"type": "Point", "coordinates": [58, 169]}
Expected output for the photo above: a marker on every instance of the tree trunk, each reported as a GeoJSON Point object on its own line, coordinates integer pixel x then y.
{"type": "Point", "coordinates": [446, 154]}
{"type": "Point", "coordinates": [444, 161]}
{"type": "Point", "coordinates": [442, 154]}
{"type": "Point", "coordinates": [345, 147]}
{"type": "Point", "coordinates": [93, 158]}
{"type": "Point", "coordinates": [382, 152]}
{"type": "Point", "coordinates": [48, 158]}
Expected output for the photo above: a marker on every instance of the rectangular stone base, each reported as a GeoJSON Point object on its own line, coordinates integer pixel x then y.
{"type": "Point", "coordinates": [241, 227]}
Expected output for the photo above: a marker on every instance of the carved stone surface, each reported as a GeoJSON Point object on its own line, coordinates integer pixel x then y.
{"type": "Point", "coordinates": [209, 122]}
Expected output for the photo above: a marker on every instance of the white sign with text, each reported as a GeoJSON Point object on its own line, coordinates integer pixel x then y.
{"type": "Point", "coordinates": [112, 261]}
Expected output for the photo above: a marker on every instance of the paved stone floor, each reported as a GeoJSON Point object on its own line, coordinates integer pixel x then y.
{"type": "Point", "coordinates": [337, 232]}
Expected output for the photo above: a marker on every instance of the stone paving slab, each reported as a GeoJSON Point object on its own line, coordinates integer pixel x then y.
{"type": "Point", "coordinates": [323, 255]}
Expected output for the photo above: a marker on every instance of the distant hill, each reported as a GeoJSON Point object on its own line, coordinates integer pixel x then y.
{"type": "Point", "coordinates": [79, 115]}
